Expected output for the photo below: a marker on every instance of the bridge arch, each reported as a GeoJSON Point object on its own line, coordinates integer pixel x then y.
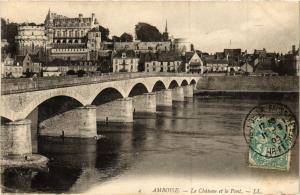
{"type": "Point", "coordinates": [42, 97]}
{"type": "Point", "coordinates": [173, 84]}
{"type": "Point", "coordinates": [106, 95]}
{"type": "Point", "coordinates": [193, 82]}
{"type": "Point", "coordinates": [158, 86]}
{"type": "Point", "coordinates": [5, 120]}
{"type": "Point", "coordinates": [138, 89]}
{"type": "Point", "coordinates": [184, 83]}
{"type": "Point", "coordinates": [55, 105]}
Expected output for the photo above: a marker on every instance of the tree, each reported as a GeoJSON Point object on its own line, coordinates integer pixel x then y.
{"type": "Point", "coordinates": [116, 39]}
{"type": "Point", "coordinates": [126, 37]}
{"type": "Point", "coordinates": [104, 33]}
{"type": "Point", "coordinates": [70, 72]}
{"type": "Point", "coordinates": [8, 32]}
{"type": "Point", "coordinates": [104, 65]}
{"type": "Point", "coordinates": [146, 32]}
{"type": "Point", "coordinates": [80, 73]}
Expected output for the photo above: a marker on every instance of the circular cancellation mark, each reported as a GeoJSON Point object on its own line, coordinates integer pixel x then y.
{"type": "Point", "coordinates": [270, 129]}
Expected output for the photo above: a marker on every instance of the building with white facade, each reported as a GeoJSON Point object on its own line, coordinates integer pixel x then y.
{"type": "Point", "coordinates": [125, 61]}
{"type": "Point", "coordinates": [163, 62]}
{"type": "Point", "coordinates": [9, 68]}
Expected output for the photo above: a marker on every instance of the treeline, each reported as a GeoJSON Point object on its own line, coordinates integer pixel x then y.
{"type": "Point", "coordinates": [8, 32]}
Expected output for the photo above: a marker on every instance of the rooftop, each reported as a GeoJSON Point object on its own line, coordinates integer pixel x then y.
{"type": "Point", "coordinates": [129, 54]}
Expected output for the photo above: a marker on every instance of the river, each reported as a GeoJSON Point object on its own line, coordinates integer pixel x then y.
{"type": "Point", "coordinates": [196, 144]}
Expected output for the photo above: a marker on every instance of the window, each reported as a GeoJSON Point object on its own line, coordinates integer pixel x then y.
{"type": "Point", "coordinates": [70, 34]}
{"type": "Point", "coordinates": [81, 33]}
{"type": "Point", "coordinates": [32, 33]}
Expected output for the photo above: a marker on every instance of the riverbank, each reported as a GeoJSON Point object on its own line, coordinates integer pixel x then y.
{"type": "Point", "coordinates": [248, 84]}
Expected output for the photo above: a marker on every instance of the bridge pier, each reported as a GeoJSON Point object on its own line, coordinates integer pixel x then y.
{"type": "Point", "coordinates": [178, 94]}
{"type": "Point", "coordinates": [120, 110]}
{"type": "Point", "coordinates": [79, 122]}
{"type": "Point", "coordinates": [145, 103]}
{"type": "Point", "coordinates": [164, 97]}
{"type": "Point", "coordinates": [188, 90]}
{"type": "Point", "coordinates": [16, 138]}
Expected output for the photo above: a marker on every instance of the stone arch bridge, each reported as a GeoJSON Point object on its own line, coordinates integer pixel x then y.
{"type": "Point", "coordinates": [112, 97]}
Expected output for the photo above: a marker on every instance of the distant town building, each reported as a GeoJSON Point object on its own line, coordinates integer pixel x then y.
{"type": "Point", "coordinates": [298, 63]}
{"type": "Point", "coordinates": [216, 65]}
{"type": "Point", "coordinates": [125, 61]}
{"type": "Point", "coordinates": [260, 52]}
{"type": "Point", "coordinates": [194, 63]}
{"type": "Point", "coordinates": [163, 62]}
{"type": "Point", "coordinates": [265, 66]}
{"type": "Point", "coordinates": [30, 39]}
{"type": "Point", "coordinates": [247, 68]}
{"type": "Point", "coordinates": [30, 63]}
{"type": "Point", "coordinates": [232, 53]}
{"type": "Point", "coordinates": [9, 68]}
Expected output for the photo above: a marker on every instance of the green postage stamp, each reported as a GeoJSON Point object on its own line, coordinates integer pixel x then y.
{"type": "Point", "coordinates": [271, 130]}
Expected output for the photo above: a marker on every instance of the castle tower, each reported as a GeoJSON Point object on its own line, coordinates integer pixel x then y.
{"type": "Point", "coordinates": [30, 39]}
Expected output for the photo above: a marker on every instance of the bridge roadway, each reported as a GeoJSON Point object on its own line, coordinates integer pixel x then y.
{"type": "Point", "coordinates": [71, 106]}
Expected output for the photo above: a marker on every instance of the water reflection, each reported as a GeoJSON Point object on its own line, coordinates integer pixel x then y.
{"type": "Point", "coordinates": [16, 180]}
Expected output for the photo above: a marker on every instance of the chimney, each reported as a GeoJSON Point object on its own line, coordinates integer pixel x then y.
{"type": "Point", "coordinates": [93, 15]}
{"type": "Point", "coordinates": [80, 16]}
{"type": "Point", "coordinates": [293, 49]}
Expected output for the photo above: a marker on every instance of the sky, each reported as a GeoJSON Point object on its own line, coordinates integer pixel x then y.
{"type": "Point", "coordinates": [210, 26]}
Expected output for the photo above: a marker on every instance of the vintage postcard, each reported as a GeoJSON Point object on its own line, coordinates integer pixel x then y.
{"type": "Point", "coordinates": [150, 97]}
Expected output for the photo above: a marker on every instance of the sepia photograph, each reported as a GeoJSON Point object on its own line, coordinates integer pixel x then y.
{"type": "Point", "coordinates": [149, 97]}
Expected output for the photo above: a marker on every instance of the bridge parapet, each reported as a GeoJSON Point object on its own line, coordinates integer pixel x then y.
{"type": "Point", "coordinates": [20, 85]}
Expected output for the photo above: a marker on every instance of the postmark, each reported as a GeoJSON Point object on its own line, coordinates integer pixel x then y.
{"type": "Point", "coordinates": [270, 130]}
